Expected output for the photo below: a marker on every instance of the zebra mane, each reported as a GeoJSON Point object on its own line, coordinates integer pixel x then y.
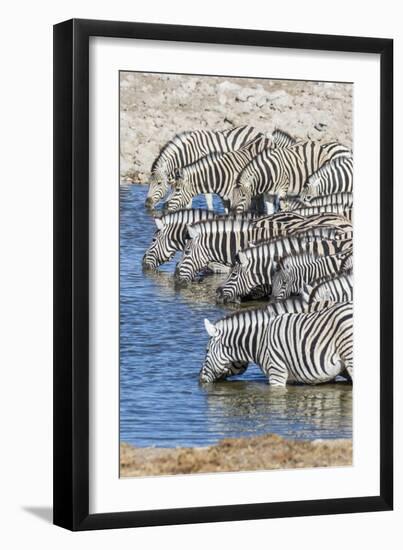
{"type": "Point", "coordinates": [184, 215]}
{"type": "Point", "coordinates": [220, 225]}
{"type": "Point", "coordinates": [168, 145]}
{"type": "Point", "coordinates": [246, 312]}
{"type": "Point", "coordinates": [185, 134]}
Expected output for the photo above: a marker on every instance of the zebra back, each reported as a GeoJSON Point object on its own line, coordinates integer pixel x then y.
{"type": "Point", "coordinates": [337, 289]}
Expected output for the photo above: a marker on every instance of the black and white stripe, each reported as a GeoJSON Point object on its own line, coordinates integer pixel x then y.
{"type": "Point", "coordinates": [171, 235]}
{"type": "Point", "coordinates": [215, 173]}
{"type": "Point", "coordinates": [310, 347]}
{"type": "Point", "coordinates": [254, 268]}
{"type": "Point", "coordinates": [188, 147]}
{"type": "Point", "coordinates": [295, 271]}
{"type": "Point", "coordinates": [218, 241]}
{"type": "Point", "coordinates": [335, 176]}
{"type": "Point", "coordinates": [289, 346]}
{"type": "Point", "coordinates": [336, 289]}
{"type": "Point", "coordinates": [282, 171]}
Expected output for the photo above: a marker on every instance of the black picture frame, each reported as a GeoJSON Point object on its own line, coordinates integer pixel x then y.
{"type": "Point", "coordinates": [71, 274]}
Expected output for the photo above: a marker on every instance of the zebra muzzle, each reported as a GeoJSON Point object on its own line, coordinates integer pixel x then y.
{"type": "Point", "coordinates": [149, 202]}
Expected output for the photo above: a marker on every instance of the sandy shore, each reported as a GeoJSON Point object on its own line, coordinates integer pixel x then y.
{"type": "Point", "coordinates": [266, 452]}
{"type": "Point", "coordinates": [153, 108]}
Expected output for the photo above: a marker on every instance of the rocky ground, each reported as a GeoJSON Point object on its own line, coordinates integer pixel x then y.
{"type": "Point", "coordinates": [153, 108]}
{"type": "Point", "coordinates": [266, 452]}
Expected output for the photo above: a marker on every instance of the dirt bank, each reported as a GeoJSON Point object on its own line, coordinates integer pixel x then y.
{"type": "Point", "coordinates": [153, 108]}
{"type": "Point", "coordinates": [266, 452]}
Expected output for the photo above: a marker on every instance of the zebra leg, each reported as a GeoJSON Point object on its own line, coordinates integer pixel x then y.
{"type": "Point", "coordinates": [276, 373]}
{"type": "Point", "coordinates": [209, 201]}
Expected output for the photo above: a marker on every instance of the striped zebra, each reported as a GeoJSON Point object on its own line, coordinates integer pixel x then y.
{"type": "Point", "coordinates": [300, 223]}
{"type": "Point", "coordinates": [338, 209]}
{"type": "Point", "coordinates": [171, 235]}
{"type": "Point", "coordinates": [295, 271]}
{"type": "Point", "coordinates": [282, 171]}
{"type": "Point", "coordinates": [255, 266]}
{"type": "Point", "coordinates": [215, 173]}
{"type": "Point", "coordinates": [216, 242]}
{"type": "Point", "coordinates": [310, 347]}
{"type": "Point", "coordinates": [336, 289]}
{"type": "Point", "coordinates": [335, 176]}
{"type": "Point", "coordinates": [186, 148]}
{"type": "Point", "coordinates": [316, 349]}
{"type": "Point", "coordinates": [287, 204]}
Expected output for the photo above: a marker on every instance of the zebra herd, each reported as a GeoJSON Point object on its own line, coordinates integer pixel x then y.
{"type": "Point", "coordinates": [286, 237]}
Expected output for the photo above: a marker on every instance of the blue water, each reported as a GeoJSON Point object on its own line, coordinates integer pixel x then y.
{"type": "Point", "coordinates": [162, 347]}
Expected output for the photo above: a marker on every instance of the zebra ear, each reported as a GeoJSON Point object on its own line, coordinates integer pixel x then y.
{"type": "Point", "coordinates": [210, 328]}
{"type": "Point", "coordinates": [158, 223]}
{"type": "Point", "coordinates": [178, 172]}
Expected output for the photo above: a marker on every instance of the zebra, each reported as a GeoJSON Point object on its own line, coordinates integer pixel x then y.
{"type": "Point", "coordinates": [287, 204]}
{"type": "Point", "coordinates": [301, 223]}
{"type": "Point", "coordinates": [282, 171]}
{"type": "Point", "coordinates": [286, 342]}
{"type": "Point", "coordinates": [171, 235]}
{"type": "Point", "coordinates": [216, 242]}
{"type": "Point", "coordinates": [336, 289]}
{"type": "Point", "coordinates": [214, 173]}
{"type": "Point", "coordinates": [295, 271]}
{"type": "Point", "coordinates": [254, 266]}
{"type": "Point", "coordinates": [310, 347]}
{"type": "Point", "coordinates": [338, 209]}
{"type": "Point", "coordinates": [187, 147]}
{"type": "Point", "coordinates": [228, 351]}
{"type": "Point", "coordinates": [335, 176]}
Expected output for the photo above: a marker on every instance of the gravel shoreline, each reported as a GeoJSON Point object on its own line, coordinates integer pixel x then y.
{"type": "Point", "coordinates": [155, 107]}
{"type": "Point", "coordinates": [266, 452]}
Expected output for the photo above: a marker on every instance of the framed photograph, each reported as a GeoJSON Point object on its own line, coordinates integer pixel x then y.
{"type": "Point", "coordinates": [220, 353]}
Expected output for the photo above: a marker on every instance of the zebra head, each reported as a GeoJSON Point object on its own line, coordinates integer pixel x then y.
{"type": "Point", "coordinates": [243, 191]}
{"type": "Point", "coordinates": [182, 192]}
{"type": "Point", "coordinates": [159, 185]}
{"type": "Point", "coordinates": [163, 246]}
{"type": "Point", "coordinates": [281, 284]}
{"type": "Point", "coordinates": [221, 358]}
{"type": "Point", "coordinates": [311, 188]}
{"type": "Point", "coordinates": [247, 278]}
{"type": "Point", "coordinates": [194, 257]}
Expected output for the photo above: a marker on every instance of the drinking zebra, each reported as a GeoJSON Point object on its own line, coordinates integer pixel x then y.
{"type": "Point", "coordinates": [282, 171]}
{"type": "Point", "coordinates": [295, 271]}
{"type": "Point", "coordinates": [215, 173]}
{"type": "Point", "coordinates": [186, 148]}
{"type": "Point", "coordinates": [295, 346]}
{"type": "Point", "coordinates": [335, 176]}
{"type": "Point", "coordinates": [216, 242]}
{"type": "Point", "coordinates": [336, 289]}
{"type": "Point", "coordinates": [255, 266]}
{"type": "Point", "coordinates": [171, 235]}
